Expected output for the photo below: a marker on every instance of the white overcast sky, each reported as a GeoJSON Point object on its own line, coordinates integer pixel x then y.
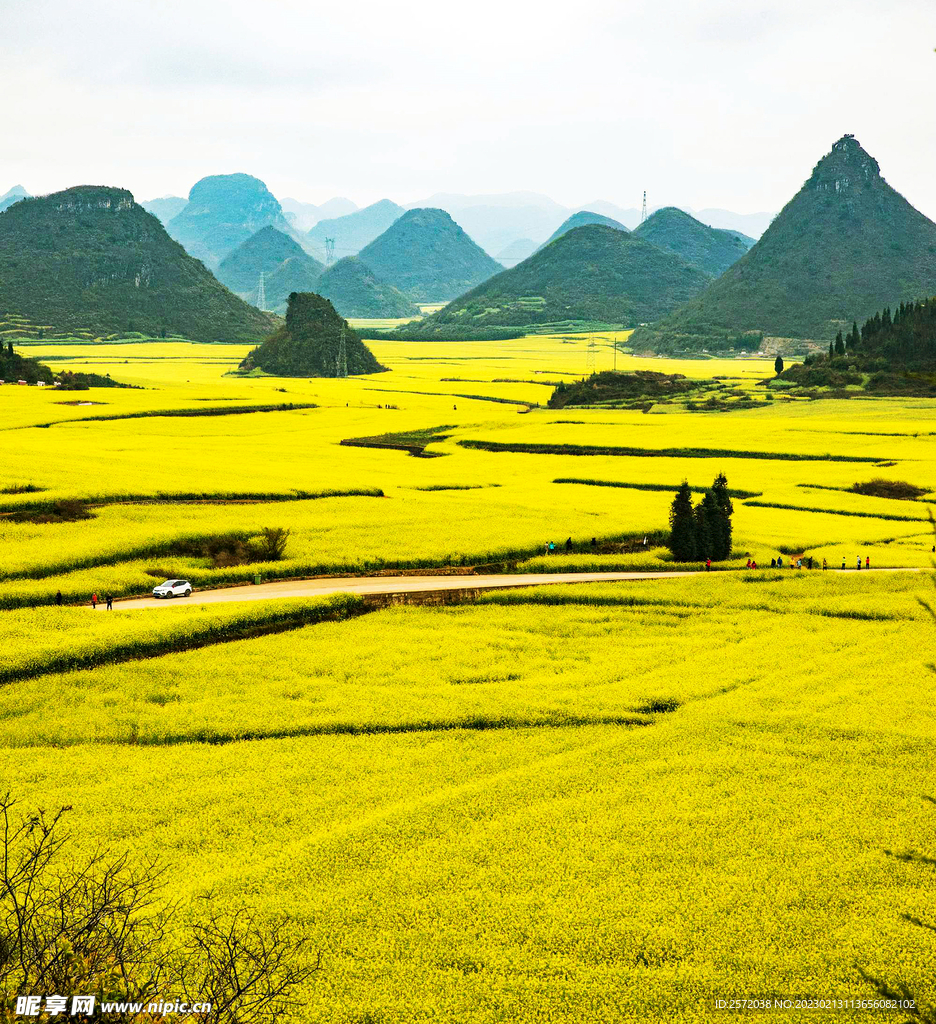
{"type": "Point", "coordinates": [725, 103]}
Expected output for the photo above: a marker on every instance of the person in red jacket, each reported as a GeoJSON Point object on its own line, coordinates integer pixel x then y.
{"type": "Point", "coordinates": [94, 602]}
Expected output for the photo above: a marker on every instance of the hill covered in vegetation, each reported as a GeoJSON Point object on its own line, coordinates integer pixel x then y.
{"type": "Point", "coordinates": [847, 244]}
{"type": "Point", "coordinates": [594, 275]}
{"type": "Point", "coordinates": [612, 389]}
{"type": "Point", "coordinates": [712, 249]}
{"type": "Point", "coordinates": [580, 220]}
{"type": "Point", "coordinates": [90, 258]}
{"type": "Point", "coordinates": [284, 263]}
{"type": "Point", "coordinates": [353, 231]}
{"type": "Point", "coordinates": [310, 343]}
{"type": "Point", "coordinates": [428, 257]}
{"type": "Point", "coordinates": [222, 211]}
{"type": "Point", "coordinates": [355, 290]}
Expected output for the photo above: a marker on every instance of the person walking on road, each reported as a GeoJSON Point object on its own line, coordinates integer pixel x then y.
{"type": "Point", "coordinates": [708, 564]}
{"type": "Point", "coordinates": [94, 602]}
{"type": "Point", "coordinates": [843, 561]}
{"type": "Point", "coordinates": [110, 603]}
{"type": "Point", "coordinates": [867, 561]}
{"type": "Point", "coordinates": [825, 564]}
{"type": "Point", "coordinates": [859, 563]}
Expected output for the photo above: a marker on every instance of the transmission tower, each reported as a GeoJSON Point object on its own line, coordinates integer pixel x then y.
{"type": "Point", "coordinates": [590, 357]}
{"type": "Point", "coordinates": [261, 294]}
{"type": "Point", "coordinates": [329, 251]}
{"type": "Point", "coordinates": [643, 209]}
{"type": "Point", "coordinates": [341, 367]}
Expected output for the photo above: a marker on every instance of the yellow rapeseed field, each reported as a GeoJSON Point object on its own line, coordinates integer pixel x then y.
{"type": "Point", "coordinates": [600, 802]}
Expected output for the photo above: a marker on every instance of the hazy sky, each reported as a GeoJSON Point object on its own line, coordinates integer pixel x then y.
{"type": "Point", "coordinates": [702, 102]}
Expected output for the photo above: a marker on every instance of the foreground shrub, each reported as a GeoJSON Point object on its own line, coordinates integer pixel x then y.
{"type": "Point", "coordinates": [102, 927]}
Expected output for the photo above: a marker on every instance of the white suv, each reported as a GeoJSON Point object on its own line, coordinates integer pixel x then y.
{"type": "Point", "coordinates": [173, 588]}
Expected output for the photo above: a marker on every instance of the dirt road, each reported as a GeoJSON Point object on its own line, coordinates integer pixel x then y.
{"type": "Point", "coordinates": [408, 585]}
{"type": "Point", "coordinates": [384, 585]}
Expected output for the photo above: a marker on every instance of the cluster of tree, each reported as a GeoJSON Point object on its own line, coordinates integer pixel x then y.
{"type": "Point", "coordinates": [905, 337]}
{"type": "Point", "coordinates": [14, 367]}
{"type": "Point", "coordinates": [704, 530]}
{"type": "Point", "coordinates": [849, 343]}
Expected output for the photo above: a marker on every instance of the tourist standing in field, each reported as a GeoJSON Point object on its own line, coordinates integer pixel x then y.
{"type": "Point", "coordinates": [58, 598]}
{"type": "Point", "coordinates": [825, 564]}
{"type": "Point", "coordinates": [843, 561]}
{"type": "Point", "coordinates": [110, 603]}
{"type": "Point", "coordinates": [94, 602]}
{"type": "Point", "coordinates": [867, 561]}
{"type": "Point", "coordinates": [859, 563]}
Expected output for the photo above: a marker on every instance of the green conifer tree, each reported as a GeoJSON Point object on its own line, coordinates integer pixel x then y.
{"type": "Point", "coordinates": [706, 526]}
{"type": "Point", "coordinates": [721, 528]}
{"type": "Point", "coordinates": [839, 345]}
{"type": "Point", "coordinates": [682, 540]}
{"type": "Point", "coordinates": [778, 365]}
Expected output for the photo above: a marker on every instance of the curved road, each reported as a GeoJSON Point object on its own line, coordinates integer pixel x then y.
{"type": "Point", "coordinates": [404, 585]}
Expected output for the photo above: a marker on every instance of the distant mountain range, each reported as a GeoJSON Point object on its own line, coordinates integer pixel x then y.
{"type": "Point", "coordinates": [495, 221]}
{"type": "Point", "coordinates": [13, 196]}
{"type": "Point", "coordinates": [165, 208]}
{"type": "Point", "coordinates": [284, 264]}
{"type": "Point", "coordinates": [222, 211]}
{"type": "Point", "coordinates": [353, 231]}
{"type": "Point", "coordinates": [304, 216]}
{"type": "Point", "coordinates": [351, 286]}
{"type": "Point", "coordinates": [516, 252]}
{"type": "Point", "coordinates": [591, 275]}
{"type": "Point", "coordinates": [90, 258]}
{"type": "Point", "coordinates": [845, 246]}
{"type": "Point", "coordinates": [428, 257]}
